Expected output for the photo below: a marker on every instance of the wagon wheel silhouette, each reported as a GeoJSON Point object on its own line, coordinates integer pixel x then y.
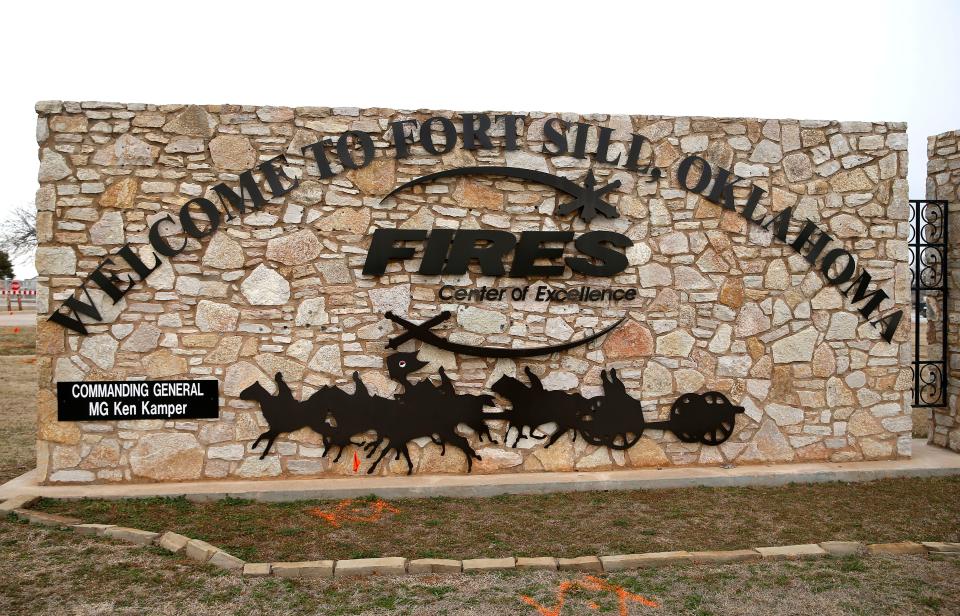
{"type": "Point", "coordinates": [617, 438]}
{"type": "Point", "coordinates": [707, 418]}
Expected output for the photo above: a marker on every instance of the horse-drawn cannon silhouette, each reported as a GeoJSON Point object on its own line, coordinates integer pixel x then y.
{"type": "Point", "coordinates": [615, 419]}
{"type": "Point", "coordinates": [425, 410]}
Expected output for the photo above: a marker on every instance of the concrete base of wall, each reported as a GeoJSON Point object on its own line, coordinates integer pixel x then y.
{"type": "Point", "coordinates": [927, 461]}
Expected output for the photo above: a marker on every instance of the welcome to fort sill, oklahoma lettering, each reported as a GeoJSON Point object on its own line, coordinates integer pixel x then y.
{"type": "Point", "coordinates": [355, 149]}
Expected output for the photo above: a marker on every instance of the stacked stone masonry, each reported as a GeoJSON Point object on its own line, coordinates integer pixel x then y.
{"type": "Point", "coordinates": [943, 182]}
{"type": "Point", "coordinates": [721, 304]}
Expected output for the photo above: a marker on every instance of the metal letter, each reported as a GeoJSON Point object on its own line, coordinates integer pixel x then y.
{"type": "Point", "coordinates": [382, 249]}
{"type": "Point", "coordinates": [449, 135]}
{"type": "Point", "coordinates": [346, 156]}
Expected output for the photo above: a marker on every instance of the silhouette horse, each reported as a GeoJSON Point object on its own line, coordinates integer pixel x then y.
{"type": "Point", "coordinates": [282, 412]}
{"type": "Point", "coordinates": [338, 416]}
{"type": "Point", "coordinates": [533, 406]}
{"type": "Point", "coordinates": [421, 410]}
{"type": "Point", "coordinates": [469, 408]}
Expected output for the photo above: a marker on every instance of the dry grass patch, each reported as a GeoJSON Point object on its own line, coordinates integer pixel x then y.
{"type": "Point", "coordinates": [18, 414]}
{"type": "Point", "coordinates": [18, 340]}
{"type": "Point", "coordinates": [562, 525]}
{"type": "Point", "coordinates": [46, 571]}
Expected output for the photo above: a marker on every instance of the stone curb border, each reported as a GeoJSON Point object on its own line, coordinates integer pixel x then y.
{"type": "Point", "coordinates": [203, 552]}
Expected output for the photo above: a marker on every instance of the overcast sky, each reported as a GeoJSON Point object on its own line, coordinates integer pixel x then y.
{"type": "Point", "coordinates": [834, 60]}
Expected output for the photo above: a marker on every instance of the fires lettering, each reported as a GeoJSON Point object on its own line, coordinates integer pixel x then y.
{"type": "Point", "coordinates": [447, 251]}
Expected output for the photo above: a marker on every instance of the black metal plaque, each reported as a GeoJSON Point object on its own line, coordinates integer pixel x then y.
{"type": "Point", "coordinates": [127, 400]}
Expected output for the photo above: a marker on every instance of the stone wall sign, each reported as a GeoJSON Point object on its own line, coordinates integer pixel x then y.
{"type": "Point", "coordinates": [451, 252]}
{"type": "Point", "coordinates": [750, 274]}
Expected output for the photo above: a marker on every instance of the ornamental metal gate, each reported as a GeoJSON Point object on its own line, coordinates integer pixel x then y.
{"type": "Point", "coordinates": [928, 283]}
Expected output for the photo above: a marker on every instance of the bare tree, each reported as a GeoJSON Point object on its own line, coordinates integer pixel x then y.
{"type": "Point", "coordinates": [18, 233]}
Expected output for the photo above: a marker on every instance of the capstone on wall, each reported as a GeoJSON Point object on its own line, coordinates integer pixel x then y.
{"type": "Point", "coordinates": [943, 183]}
{"type": "Point", "coordinates": [721, 304]}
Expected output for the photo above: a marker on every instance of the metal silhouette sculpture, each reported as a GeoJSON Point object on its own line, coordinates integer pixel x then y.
{"type": "Point", "coordinates": [534, 406]}
{"type": "Point", "coordinates": [285, 414]}
{"type": "Point", "coordinates": [708, 418]}
{"type": "Point", "coordinates": [421, 410]}
{"type": "Point", "coordinates": [615, 419]}
{"type": "Point", "coordinates": [422, 333]}
{"type": "Point", "coordinates": [426, 410]}
{"type": "Point", "coordinates": [282, 411]}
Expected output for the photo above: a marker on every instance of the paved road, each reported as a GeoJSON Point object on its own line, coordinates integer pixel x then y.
{"type": "Point", "coordinates": [18, 319]}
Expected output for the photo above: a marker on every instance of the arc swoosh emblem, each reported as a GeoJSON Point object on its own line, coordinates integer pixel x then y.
{"type": "Point", "coordinates": [422, 333]}
{"type": "Point", "coordinates": [587, 199]}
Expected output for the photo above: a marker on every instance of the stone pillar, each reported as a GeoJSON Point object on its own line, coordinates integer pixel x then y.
{"type": "Point", "coordinates": [943, 182]}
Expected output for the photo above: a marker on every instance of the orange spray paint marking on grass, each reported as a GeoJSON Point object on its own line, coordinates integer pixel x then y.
{"type": "Point", "coordinates": [589, 582]}
{"type": "Point", "coordinates": [349, 511]}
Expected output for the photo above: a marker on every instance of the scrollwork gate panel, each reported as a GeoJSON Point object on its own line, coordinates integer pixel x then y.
{"type": "Point", "coordinates": [928, 282]}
